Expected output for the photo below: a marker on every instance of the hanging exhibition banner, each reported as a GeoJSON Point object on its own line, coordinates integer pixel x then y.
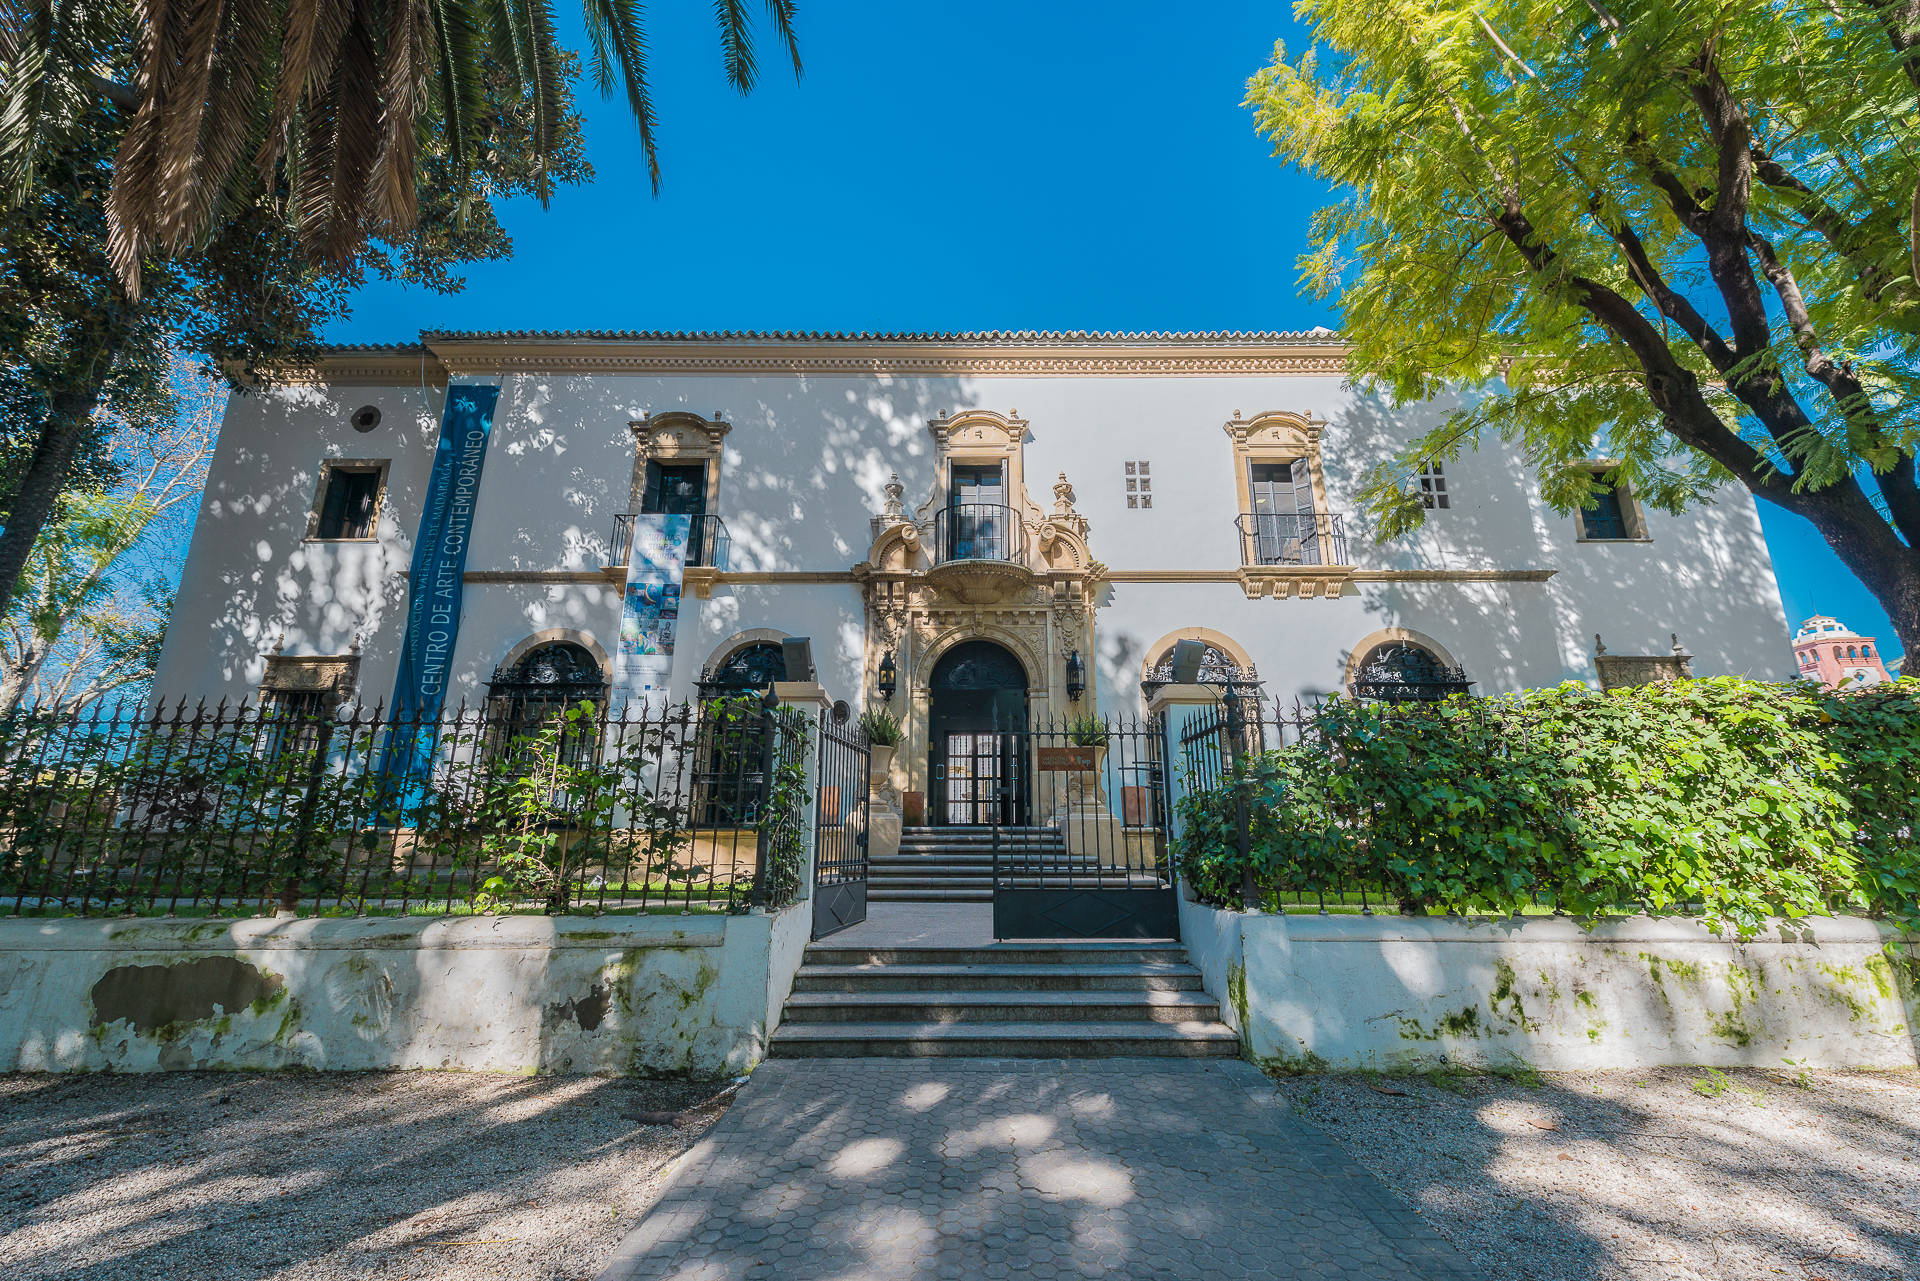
{"type": "Point", "coordinates": [649, 611]}
{"type": "Point", "coordinates": [434, 589]}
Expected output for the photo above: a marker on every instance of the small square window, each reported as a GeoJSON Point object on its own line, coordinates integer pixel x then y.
{"type": "Point", "coordinates": [1145, 485]}
{"type": "Point", "coordinates": [1143, 469]}
{"type": "Point", "coordinates": [1133, 486]}
{"type": "Point", "coordinates": [1129, 469]}
{"type": "Point", "coordinates": [1146, 500]}
{"type": "Point", "coordinates": [1133, 500]}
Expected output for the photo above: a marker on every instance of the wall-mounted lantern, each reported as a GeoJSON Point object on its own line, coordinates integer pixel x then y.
{"type": "Point", "coordinates": [1076, 676]}
{"type": "Point", "coordinates": [889, 677]}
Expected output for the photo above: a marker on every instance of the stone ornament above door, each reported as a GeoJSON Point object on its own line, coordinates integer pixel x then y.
{"type": "Point", "coordinates": [1042, 559]}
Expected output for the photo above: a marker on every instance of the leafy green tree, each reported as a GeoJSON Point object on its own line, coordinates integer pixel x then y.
{"type": "Point", "coordinates": [1663, 230]}
{"type": "Point", "coordinates": [75, 343]}
{"type": "Point", "coordinates": [93, 604]}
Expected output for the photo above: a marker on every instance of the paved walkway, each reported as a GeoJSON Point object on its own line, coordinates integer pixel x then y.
{"type": "Point", "coordinates": [994, 1168]}
{"type": "Point", "coordinates": [919, 925]}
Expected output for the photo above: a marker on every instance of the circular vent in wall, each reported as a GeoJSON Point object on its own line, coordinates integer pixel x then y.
{"type": "Point", "coordinates": [366, 418]}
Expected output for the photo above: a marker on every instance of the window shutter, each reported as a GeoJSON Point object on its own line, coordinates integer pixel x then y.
{"type": "Point", "coordinates": [650, 498]}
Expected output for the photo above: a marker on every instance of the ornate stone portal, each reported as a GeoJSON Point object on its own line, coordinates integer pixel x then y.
{"type": "Point", "coordinates": [1032, 589]}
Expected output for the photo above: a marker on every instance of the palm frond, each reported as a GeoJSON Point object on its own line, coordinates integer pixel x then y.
{"type": "Point", "coordinates": [544, 91]}
{"type": "Point", "coordinates": [310, 44]}
{"type": "Point", "coordinates": [615, 30]}
{"type": "Point", "coordinates": [357, 140]}
{"type": "Point", "coordinates": [406, 63]}
{"type": "Point", "coordinates": [461, 98]}
{"type": "Point", "coordinates": [782, 11]}
{"type": "Point", "coordinates": [736, 43]}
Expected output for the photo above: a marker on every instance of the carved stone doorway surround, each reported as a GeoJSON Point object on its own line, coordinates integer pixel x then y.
{"type": "Point", "coordinates": [1043, 609]}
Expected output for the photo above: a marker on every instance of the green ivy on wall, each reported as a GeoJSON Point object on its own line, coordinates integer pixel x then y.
{"type": "Point", "coordinates": [1733, 799]}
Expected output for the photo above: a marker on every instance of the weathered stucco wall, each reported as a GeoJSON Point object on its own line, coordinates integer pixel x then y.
{"type": "Point", "coordinates": [1346, 992]}
{"type": "Point", "coordinates": [633, 995]}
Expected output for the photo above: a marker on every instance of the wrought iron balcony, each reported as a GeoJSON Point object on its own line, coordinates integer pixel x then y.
{"type": "Point", "coordinates": [708, 543]}
{"type": "Point", "coordinates": [1293, 538]}
{"type": "Point", "coordinates": [979, 531]}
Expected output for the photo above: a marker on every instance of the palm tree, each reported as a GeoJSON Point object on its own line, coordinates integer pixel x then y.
{"type": "Point", "coordinates": [322, 101]}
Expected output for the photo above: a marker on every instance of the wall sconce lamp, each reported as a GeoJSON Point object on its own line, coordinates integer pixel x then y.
{"type": "Point", "coordinates": [1076, 676]}
{"type": "Point", "coordinates": [889, 677]}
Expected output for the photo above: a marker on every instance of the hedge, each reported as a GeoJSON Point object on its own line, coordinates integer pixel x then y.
{"type": "Point", "coordinates": [1734, 799]}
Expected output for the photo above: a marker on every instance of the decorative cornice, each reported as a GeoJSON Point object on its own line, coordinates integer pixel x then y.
{"type": "Point", "coordinates": [1453, 575]}
{"type": "Point", "coordinates": [1351, 575]}
{"type": "Point", "coordinates": [817, 355]}
{"type": "Point", "coordinates": [617, 574]}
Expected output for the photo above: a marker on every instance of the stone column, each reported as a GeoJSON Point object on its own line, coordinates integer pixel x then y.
{"type": "Point", "coordinates": [1182, 704]}
{"type": "Point", "coordinates": [811, 698]}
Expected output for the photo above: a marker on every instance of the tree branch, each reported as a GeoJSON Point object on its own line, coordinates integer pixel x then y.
{"type": "Point", "coordinates": [1674, 306]}
{"type": "Point", "coordinates": [1852, 241]}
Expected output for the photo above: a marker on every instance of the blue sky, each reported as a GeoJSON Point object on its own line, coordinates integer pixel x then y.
{"type": "Point", "coordinates": [990, 166]}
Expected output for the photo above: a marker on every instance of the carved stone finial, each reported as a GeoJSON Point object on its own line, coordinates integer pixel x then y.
{"type": "Point", "coordinates": [355, 647]}
{"type": "Point", "coordinates": [279, 643]}
{"type": "Point", "coordinates": [1598, 646]}
{"type": "Point", "coordinates": [895, 510]}
{"type": "Point", "coordinates": [1676, 642]}
{"type": "Point", "coordinates": [1062, 494]}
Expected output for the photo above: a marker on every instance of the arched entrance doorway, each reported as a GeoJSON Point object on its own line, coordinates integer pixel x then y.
{"type": "Point", "coordinates": [978, 706]}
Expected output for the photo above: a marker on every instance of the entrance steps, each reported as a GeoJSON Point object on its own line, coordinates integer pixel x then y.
{"type": "Point", "coordinates": [954, 864]}
{"type": "Point", "coordinates": [1009, 1000]}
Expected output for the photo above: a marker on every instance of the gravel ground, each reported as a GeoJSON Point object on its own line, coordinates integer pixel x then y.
{"type": "Point", "coordinates": [443, 1177]}
{"type": "Point", "coordinates": [1616, 1175]}
{"type": "Point", "coordinates": [412, 1176]}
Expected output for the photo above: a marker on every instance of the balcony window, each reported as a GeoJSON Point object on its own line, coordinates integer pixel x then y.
{"type": "Point", "coordinates": [976, 523]}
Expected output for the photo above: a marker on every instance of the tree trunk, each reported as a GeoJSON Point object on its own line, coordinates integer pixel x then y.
{"type": "Point", "coordinates": [19, 677]}
{"type": "Point", "coordinates": [66, 426]}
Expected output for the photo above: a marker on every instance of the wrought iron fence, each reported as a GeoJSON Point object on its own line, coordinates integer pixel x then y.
{"type": "Point", "coordinates": [224, 810]}
{"type": "Point", "coordinates": [708, 542]}
{"type": "Point", "coordinates": [1293, 823]}
{"type": "Point", "coordinates": [1293, 538]}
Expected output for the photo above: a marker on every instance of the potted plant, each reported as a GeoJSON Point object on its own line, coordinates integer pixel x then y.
{"type": "Point", "coordinates": [883, 732]}
{"type": "Point", "coordinates": [1088, 731]}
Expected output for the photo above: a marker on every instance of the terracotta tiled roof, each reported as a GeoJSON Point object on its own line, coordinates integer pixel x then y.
{"type": "Point", "coordinates": [991, 337]}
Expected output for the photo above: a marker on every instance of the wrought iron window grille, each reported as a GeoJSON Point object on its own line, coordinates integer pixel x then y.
{"type": "Point", "coordinates": [1405, 673]}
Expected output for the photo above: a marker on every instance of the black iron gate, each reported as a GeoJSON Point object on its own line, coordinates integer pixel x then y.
{"type": "Point", "coordinates": [1096, 863]}
{"type": "Point", "coordinates": [840, 829]}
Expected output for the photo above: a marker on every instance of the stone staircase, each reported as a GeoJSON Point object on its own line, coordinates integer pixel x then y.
{"type": "Point", "coordinates": [1009, 1000]}
{"type": "Point", "coordinates": [952, 864]}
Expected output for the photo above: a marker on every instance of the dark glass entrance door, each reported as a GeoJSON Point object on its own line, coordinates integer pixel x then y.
{"type": "Point", "coordinates": [976, 758]}
{"type": "Point", "coordinates": [979, 768]}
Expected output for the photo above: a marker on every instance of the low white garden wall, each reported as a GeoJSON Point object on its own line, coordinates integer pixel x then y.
{"type": "Point", "coordinates": [640, 995]}
{"type": "Point", "coordinates": [1384, 992]}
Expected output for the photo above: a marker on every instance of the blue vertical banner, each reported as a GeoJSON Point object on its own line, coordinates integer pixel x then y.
{"type": "Point", "coordinates": [434, 590]}
{"type": "Point", "coordinates": [649, 610]}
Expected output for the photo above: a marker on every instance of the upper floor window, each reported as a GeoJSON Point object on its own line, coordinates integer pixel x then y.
{"type": "Point", "coordinates": [977, 484]}
{"type": "Point", "coordinates": [1610, 513]}
{"type": "Point", "coordinates": [676, 490]}
{"type": "Point", "coordinates": [1274, 488]}
{"type": "Point", "coordinates": [1433, 485]}
{"type": "Point", "coordinates": [1139, 484]}
{"type": "Point", "coordinates": [347, 505]}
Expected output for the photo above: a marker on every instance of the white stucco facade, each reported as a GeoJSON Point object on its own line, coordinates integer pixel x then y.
{"type": "Point", "coordinates": [1507, 588]}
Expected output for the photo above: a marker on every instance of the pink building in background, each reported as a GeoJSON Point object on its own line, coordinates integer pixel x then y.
{"type": "Point", "coordinates": [1835, 656]}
